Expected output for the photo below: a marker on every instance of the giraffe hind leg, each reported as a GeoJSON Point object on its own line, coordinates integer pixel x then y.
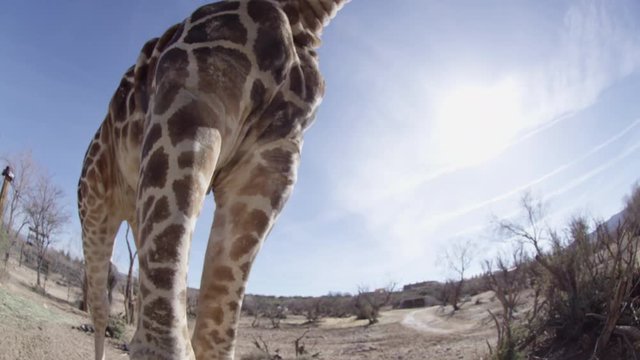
{"type": "Point", "coordinates": [182, 151]}
{"type": "Point", "coordinates": [98, 235]}
{"type": "Point", "coordinates": [248, 201]}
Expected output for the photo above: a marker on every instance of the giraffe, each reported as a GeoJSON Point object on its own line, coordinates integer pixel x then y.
{"type": "Point", "coordinates": [218, 103]}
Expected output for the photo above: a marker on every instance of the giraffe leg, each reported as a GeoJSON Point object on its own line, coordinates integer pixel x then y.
{"type": "Point", "coordinates": [180, 150]}
{"type": "Point", "coordinates": [98, 235]}
{"type": "Point", "coordinates": [248, 200]}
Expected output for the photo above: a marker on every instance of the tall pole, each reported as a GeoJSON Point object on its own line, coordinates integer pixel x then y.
{"type": "Point", "coordinates": [7, 176]}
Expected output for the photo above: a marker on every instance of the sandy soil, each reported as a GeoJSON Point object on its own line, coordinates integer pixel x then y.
{"type": "Point", "coordinates": [45, 327]}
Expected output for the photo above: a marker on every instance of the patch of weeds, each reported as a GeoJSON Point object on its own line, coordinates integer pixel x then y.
{"type": "Point", "coordinates": [17, 309]}
{"type": "Point", "coordinates": [116, 328]}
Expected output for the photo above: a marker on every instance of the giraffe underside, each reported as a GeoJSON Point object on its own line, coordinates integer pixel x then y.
{"type": "Point", "coordinates": [218, 102]}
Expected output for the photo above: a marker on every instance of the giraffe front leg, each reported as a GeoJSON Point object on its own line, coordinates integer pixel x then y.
{"type": "Point", "coordinates": [178, 160]}
{"type": "Point", "coordinates": [248, 200]}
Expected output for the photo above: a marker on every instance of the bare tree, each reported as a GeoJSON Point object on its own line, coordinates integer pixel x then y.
{"type": "Point", "coordinates": [368, 304]}
{"type": "Point", "coordinates": [507, 278]}
{"type": "Point", "coordinates": [47, 216]}
{"type": "Point", "coordinates": [128, 292]}
{"type": "Point", "coordinates": [458, 258]}
{"type": "Point", "coordinates": [84, 303]}
{"type": "Point", "coordinates": [112, 281]}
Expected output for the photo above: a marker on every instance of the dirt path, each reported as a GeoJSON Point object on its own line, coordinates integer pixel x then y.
{"type": "Point", "coordinates": [472, 317]}
{"type": "Point", "coordinates": [44, 327]}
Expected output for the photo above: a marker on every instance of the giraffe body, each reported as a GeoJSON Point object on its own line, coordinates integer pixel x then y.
{"type": "Point", "coordinates": [218, 102]}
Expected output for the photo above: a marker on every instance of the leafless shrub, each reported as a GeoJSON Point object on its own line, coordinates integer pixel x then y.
{"type": "Point", "coordinates": [314, 310]}
{"type": "Point", "coordinates": [369, 303]}
{"type": "Point", "coordinates": [275, 313]}
{"type": "Point", "coordinates": [506, 277]}
{"type": "Point", "coordinates": [588, 278]}
{"type": "Point", "coordinates": [265, 353]}
{"type": "Point", "coordinates": [301, 350]}
{"type": "Point", "coordinates": [192, 304]}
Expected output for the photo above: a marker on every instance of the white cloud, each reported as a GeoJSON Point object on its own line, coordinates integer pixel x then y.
{"type": "Point", "coordinates": [598, 45]}
{"type": "Point", "coordinates": [386, 171]}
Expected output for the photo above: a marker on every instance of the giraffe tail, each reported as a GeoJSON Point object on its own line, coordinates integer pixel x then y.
{"type": "Point", "coordinates": [320, 11]}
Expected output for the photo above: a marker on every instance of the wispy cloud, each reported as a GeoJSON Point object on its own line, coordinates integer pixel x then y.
{"type": "Point", "coordinates": [598, 45]}
{"type": "Point", "coordinates": [387, 170]}
{"type": "Point", "coordinates": [447, 216]}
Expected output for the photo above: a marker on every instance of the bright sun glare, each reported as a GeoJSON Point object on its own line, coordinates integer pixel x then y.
{"type": "Point", "coordinates": [475, 123]}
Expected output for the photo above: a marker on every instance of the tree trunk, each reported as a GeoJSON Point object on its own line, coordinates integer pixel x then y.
{"type": "Point", "coordinates": [38, 271]}
{"type": "Point", "coordinates": [84, 306]}
{"type": "Point", "coordinates": [128, 295]}
{"type": "Point", "coordinates": [21, 254]}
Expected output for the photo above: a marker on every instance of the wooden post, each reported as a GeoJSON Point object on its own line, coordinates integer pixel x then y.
{"type": "Point", "coordinates": [7, 175]}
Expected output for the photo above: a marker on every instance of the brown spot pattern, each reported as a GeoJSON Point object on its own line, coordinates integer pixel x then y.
{"type": "Point", "coordinates": [258, 92]}
{"type": "Point", "coordinates": [160, 211]}
{"type": "Point", "coordinates": [136, 131]}
{"type": "Point", "coordinates": [186, 159]}
{"type": "Point", "coordinates": [242, 245]}
{"type": "Point", "coordinates": [118, 105]}
{"type": "Point", "coordinates": [146, 206]}
{"type": "Point", "coordinates": [93, 149]}
{"type": "Point", "coordinates": [256, 220]}
{"type": "Point", "coordinates": [155, 172]}
{"type": "Point", "coordinates": [144, 291]}
{"type": "Point", "coordinates": [162, 277]}
{"type": "Point", "coordinates": [217, 315]}
{"type": "Point", "coordinates": [245, 270]}
{"type": "Point", "coordinates": [186, 195]}
{"type": "Point", "coordinates": [216, 290]}
{"type": "Point", "coordinates": [266, 182]}
{"type": "Point", "coordinates": [223, 72]}
{"type": "Point", "coordinates": [222, 27]}
{"type": "Point", "coordinates": [233, 307]}
{"type": "Point", "coordinates": [270, 46]}
{"type": "Point", "coordinates": [153, 135]}
{"type": "Point", "coordinates": [279, 160]}
{"type": "Point", "coordinates": [170, 37]}
{"type": "Point", "coordinates": [282, 116]}
{"type": "Point", "coordinates": [292, 12]}
{"type": "Point", "coordinates": [214, 8]}
{"type": "Point", "coordinates": [186, 121]}
{"type": "Point", "coordinates": [160, 311]}
{"type": "Point", "coordinates": [223, 273]}
{"type": "Point", "coordinates": [141, 75]}
{"type": "Point", "coordinates": [166, 244]}
{"type": "Point", "coordinates": [296, 84]}
{"type": "Point", "coordinates": [313, 82]}
{"type": "Point", "coordinates": [171, 73]}
{"type": "Point", "coordinates": [131, 104]}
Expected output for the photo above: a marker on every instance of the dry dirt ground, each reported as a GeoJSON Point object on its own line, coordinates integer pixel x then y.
{"type": "Point", "coordinates": [36, 327]}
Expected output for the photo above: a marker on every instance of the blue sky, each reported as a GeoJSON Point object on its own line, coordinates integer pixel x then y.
{"type": "Point", "coordinates": [437, 116]}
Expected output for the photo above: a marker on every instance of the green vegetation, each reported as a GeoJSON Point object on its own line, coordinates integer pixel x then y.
{"type": "Point", "coordinates": [15, 309]}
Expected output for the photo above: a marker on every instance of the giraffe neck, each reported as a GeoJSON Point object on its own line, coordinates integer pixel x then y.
{"type": "Point", "coordinates": [309, 17]}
